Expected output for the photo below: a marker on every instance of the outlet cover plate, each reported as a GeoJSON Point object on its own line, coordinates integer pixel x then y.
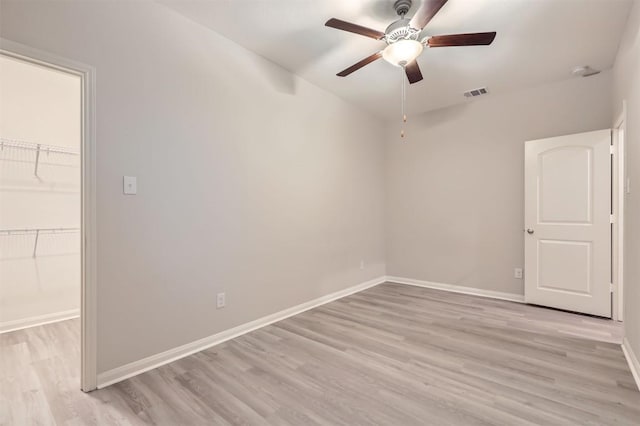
{"type": "Point", "coordinates": [221, 300]}
{"type": "Point", "coordinates": [517, 273]}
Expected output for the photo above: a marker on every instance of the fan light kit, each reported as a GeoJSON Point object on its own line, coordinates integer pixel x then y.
{"type": "Point", "coordinates": [402, 52]}
{"type": "Point", "coordinates": [404, 44]}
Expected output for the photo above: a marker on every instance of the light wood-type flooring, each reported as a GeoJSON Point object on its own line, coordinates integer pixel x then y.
{"type": "Point", "coordinates": [390, 355]}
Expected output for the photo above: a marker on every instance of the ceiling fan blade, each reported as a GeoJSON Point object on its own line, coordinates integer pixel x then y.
{"type": "Point", "coordinates": [362, 63]}
{"type": "Point", "coordinates": [354, 28]}
{"type": "Point", "coordinates": [413, 72]}
{"type": "Point", "coordinates": [426, 12]}
{"type": "Point", "coordinates": [472, 39]}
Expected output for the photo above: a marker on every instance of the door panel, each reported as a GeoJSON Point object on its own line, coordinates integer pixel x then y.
{"type": "Point", "coordinates": [567, 207]}
{"type": "Point", "coordinates": [564, 266]}
{"type": "Point", "coordinates": [565, 185]}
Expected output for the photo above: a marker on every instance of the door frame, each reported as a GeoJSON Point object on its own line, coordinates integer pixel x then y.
{"type": "Point", "coordinates": [618, 190]}
{"type": "Point", "coordinates": [88, 298]}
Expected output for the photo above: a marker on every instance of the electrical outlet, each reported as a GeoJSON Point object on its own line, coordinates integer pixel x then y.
{"type": "Point", "coordinates": [517, 273]}
{"type": "Point", "coordinates": [362, 264]}
{"type": "Point", "coordinates": [221, 300]}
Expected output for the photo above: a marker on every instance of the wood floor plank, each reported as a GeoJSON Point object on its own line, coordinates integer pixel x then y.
{"type": "Point", "coordinates": [390, 355]}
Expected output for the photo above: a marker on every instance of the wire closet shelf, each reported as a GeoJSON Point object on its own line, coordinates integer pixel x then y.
{"type": "Point", "coordinates": [36, 232]}
{"type": "Point", "coordinates": [37, 148]}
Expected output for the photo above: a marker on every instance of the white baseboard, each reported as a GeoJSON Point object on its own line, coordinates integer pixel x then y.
{"type": "Point", "coordinates": [14, 325]}
{"type": "Point", "coordinates": [632, 359]}
{"type": "Point", "coordinates": [137, 367]}
{"type": "Point", "coordinates": [512, 297]}
{"type": "Point", "coordinates": [134, 368]}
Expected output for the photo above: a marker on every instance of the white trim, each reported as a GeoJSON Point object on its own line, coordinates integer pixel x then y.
{"type": "Point", "coordinates": [512, 297]}
{"type": "Point", "coordinates": [618, 187]}
{"type": "Point", "coordinates": [632, 359]}
{"type": "Point", "coordinates": [14, 325]}
{"type": "Point", "coordinates": [134, 368]}
{"type": "Point", "coordinates": [88, 300]}
{"type": "Point", "coordinates": [126, 371]}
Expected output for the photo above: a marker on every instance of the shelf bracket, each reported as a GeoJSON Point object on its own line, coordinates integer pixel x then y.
{"type": "Point", "coordinates": [35, 244]}
{"type": "Point", "coordinates": [35, 171]}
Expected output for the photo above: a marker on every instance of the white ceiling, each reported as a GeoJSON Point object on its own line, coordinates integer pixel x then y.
{"type": "Point", "coordinates": [538, 41]}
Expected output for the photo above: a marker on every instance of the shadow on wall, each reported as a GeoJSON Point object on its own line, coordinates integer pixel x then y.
{"type": "Point", "coordinates": [319, 42]}
{"type": "Point", "coordinates": [435, 118]}
{"type": "Point", "coordinates": [277, 77]}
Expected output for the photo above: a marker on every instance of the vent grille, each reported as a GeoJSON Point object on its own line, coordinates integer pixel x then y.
{"type": "Point", "coordinates": [476, 92]}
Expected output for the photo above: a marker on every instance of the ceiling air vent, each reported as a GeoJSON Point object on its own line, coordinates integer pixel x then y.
{"type": "Point", "coordinates": [476, 92]}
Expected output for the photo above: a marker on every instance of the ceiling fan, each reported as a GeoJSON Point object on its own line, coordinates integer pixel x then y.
{"type": "Point", "coordinates": [403, 38]}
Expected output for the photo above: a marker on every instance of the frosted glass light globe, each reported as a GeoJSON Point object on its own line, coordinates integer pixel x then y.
{"type": "Point", "coordinates": [402, 52]}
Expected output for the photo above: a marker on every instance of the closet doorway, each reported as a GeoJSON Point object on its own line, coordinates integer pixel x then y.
{"type": "Point", "coordinates": [47, 295]}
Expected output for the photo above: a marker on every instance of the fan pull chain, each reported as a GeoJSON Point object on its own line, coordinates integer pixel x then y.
{"type": "Point", "coordinates": [403, 97]}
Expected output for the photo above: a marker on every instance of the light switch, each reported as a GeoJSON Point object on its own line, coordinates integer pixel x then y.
{"type": "Point", "coordinates": [130, 185]}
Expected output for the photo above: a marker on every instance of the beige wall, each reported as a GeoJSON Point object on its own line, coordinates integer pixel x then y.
{"type": "Point", "coordinates": [455, 184]}
{"type": "Point", "coordinates": [626, 77]}
{"type": "Point", "coordinates": [38, 106]}
{"type": "Point", "coordinates": [251, 181]}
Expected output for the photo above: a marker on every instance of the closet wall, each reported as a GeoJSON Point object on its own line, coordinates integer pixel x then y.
{"type": "Point", "coordinates": [40, 118]}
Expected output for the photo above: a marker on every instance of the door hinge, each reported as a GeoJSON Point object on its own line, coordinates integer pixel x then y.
{"type": "Point", "coordinates": [610, 287]}
{"type": "Point", "coordinates": [612, 218]}
{"type": "Point", "coordinates": [612, 149]}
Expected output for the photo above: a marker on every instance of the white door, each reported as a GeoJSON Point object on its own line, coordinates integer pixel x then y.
{"type": "Point", "coordinates": [567, 228]}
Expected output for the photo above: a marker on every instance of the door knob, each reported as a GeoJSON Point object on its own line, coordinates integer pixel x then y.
{"type": "Point", "coordinates": [529, 231]}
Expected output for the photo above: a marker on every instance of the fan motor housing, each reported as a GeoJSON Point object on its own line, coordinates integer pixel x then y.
{"type": "Point", "coordinates": [400, 30]}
